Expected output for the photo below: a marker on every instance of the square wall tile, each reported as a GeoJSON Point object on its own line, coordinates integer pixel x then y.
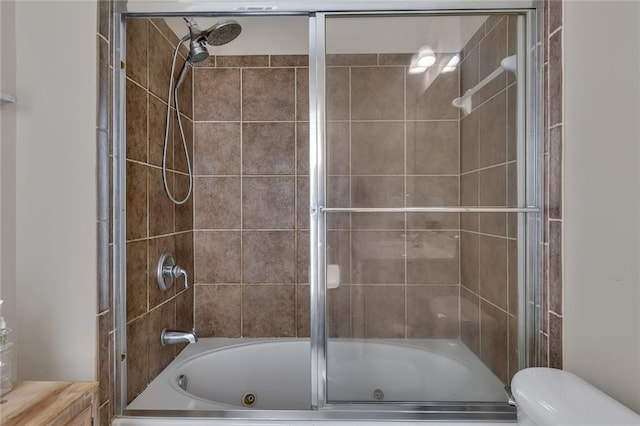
{"type": "Point", "coordinates": [493, 270]}
{"type": "Point", "coordinates": [337, 96]}
{"type": "Point", "coordinates": [378, 311]}
{"type": "Point", "coordinates": [493, 340]}
{"type": "Point", "coordinates": [217, 203]}
{"type": "Point", "coordinates": [469, 71]}
{"type": "Point", "coordinates": [268, 311]}
{"type": "Point", "coordinates": [434, 101]}
{"type": "Point", "coordinates": [512, 277]}
{"type": "Point", "coordinates": [433, 257]}
{"type": "Point", "coordinates": [469, 260]}
{"type": "Point", "coordinates": [470, 320]}
{"type": "Point", "coordinates": [105, 348]}
{"type": "Point", "coordinates": [179, 159]}
{"type": "Point", "coordinates": [268, 202]}
{"type": "Point", "coordinates": [339, 311]}
{"type": "Point", "coordinates": [216, 94]}
{"type": "Point", "coordinates": [377, 148]}
{"type": "Point", "coordinates": [432, 312]}
{"type": "Point", "coordinates": [160, 356]}
{"type": "Point", "coordinates": [302, 257]}
{"type": "Point", "coordinates": [136, 111]}
{"type": "Point", "coordinates": [217, 149]}
{"type": "Point", "coordinates": [493, 48]}
{"type": "Point", "coordinates": [136, 279]}
{"type": "Point", "coordinates": [184, 309]}
{"type": "Point", "coordinates": [159, 57]}
{"type": "Point", "coordinates": [432, 147]}
{"type": "Point", "coordinates": [268, 256]}
{"type": "Point", "coordinates": [512, 128]}
{"type": "Point", "coordinates": [137, 357]}
{"type": "Point", "coordinates": [183, 212]}
{"type": "Point", "coordinates": [377, 93]}
{"type": "Point", "coordinates": [302, 148]}
{"type": "Point", "coordinates": [492, 186]}
{"type": "Point", "coordinates": [161, 209]}
{"type": "Point", "coordinates": [217, 256]}
{"type": "Point", "coordinates": [469, 142]}
{"type": "Point", "coordinates": [218, 310]}
{"type": "Point", "coordinates": [492, 131]}
{"type": "Point", "coordinates": [268, 148]}
{"type": "Point", "coordinates": [289, 60]}
{"type": "Point", "coordinates": [378, 257]}
{"type": "Point", "coordinates": [338, 155]}
{"type": "Point", "coordinates": [157, 127]}
{"type": "Point", "coordinates": [302, 203]}
{"type": "Point", "coordinates": [268, 94]}
{"type": "Point", "coordinates": [136, 201]}
{"type": "Point", "coordinates": [555, 266]}
{"type": "Point", "coordinates": [237, 61]}
{"type": "Point", "coordinates": [425, 191]}
{"type": "Point", "coordinates": [137, 46]}
{"type": "Point", "coordinates": [377, 191]}
{"type": "Point", "coordinates": [302, 94]}
{"type": "Point", "coordinates": [303, 316]}
{"type": "Point", "coordinates": [339, 253]}
{"type": "Point", "coordinates": [158, 246]}
{"type": "Point", "coordinates": [469, 189]}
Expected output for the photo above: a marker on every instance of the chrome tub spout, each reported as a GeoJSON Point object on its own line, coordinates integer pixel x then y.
{"type": "Point", "coordinates": [172, 337]}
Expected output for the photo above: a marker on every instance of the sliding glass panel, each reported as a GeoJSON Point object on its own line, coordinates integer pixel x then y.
{"type": "Point", "coordinates": [421, 112]}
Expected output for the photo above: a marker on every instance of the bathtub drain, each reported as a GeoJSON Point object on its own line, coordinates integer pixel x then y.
{"type": "Point", "coordinates": [183, 382]}
{"type": "Point", "coordinates": [248, 399]}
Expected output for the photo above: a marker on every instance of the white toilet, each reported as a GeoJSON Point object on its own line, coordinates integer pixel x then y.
{"type": "Point", "coordinates": [546, 396]}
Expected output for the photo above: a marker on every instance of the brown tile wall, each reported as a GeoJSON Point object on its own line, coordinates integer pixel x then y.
{"type": "Point", "coordinates": [550, 337]}
{"type": "Point", "coordinates": [487, 178]}
{"type": "Point", "coordinates": [392, 141]}
{"type": "Point", "coordinates": [154, 224]}
{"type": "Point", "coordinates": [251, 196]}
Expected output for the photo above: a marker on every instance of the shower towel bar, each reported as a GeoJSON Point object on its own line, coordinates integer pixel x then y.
{"type": "Point", "coordinates": [464, 101]}
{"type": "Point", "coordinates": [7, 99]}
{"type": "Point", "coordinates": [429, 209]}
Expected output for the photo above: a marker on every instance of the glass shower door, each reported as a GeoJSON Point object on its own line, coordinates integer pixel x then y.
{"type": "Point", "coordinates": [422, 194]}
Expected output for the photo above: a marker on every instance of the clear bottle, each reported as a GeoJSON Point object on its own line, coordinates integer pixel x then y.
{"type": "Point", "coordinates": [6, 355]}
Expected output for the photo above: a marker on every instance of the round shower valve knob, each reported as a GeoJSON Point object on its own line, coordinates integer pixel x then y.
{"type": "Point", "coordinates": [167, 271]}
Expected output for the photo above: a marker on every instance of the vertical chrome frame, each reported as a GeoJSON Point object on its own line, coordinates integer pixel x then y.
{"type": "Point", "coordinates": [119, 211]}
{"type": "Point", "coordinates": [523, 197]}
{"type": "Point", "coordinates": [317, 218]}
{"type": "Point", "coordinates": [529, 121]}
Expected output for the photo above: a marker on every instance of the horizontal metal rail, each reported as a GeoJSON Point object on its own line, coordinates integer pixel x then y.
{"type": "Point", "coordinates": [429, 209]}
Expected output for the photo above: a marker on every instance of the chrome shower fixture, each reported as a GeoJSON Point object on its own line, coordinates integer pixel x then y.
{"type": "Point", "coordinates": [219, 34]}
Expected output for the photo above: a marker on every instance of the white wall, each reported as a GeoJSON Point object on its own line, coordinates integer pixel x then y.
{"type": "Point", "coordinates": [8, 167]}
{"type": "Point", "coordinates": [602, 196]}
{"type": "Point", "coordinates": [56, 189]}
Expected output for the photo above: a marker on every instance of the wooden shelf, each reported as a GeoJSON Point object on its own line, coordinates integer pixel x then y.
{"type": "Point", "coordinates": [44, 403]}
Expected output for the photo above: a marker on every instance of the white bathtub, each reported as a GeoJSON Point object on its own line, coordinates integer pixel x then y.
{"type": "Point", "coordinates": [221, 373]}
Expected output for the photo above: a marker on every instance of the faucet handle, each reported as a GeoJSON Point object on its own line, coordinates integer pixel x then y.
{"type": "Point", "coordinates": [167, 271]}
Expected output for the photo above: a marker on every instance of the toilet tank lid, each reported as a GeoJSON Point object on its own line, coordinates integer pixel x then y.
{"type": "Point", "coordinates": [556, 397]}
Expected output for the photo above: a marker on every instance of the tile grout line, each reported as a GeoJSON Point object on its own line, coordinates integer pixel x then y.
{"type": "Point", "coordinates": [242, 232]}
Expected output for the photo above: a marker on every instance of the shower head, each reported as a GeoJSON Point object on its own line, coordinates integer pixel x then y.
{"type": "Point", "coordinates": [219, 34]}
{"type": "Point", "coordinates": [198, 51]}
{"type": "Point", "coordinates": [223, 32]}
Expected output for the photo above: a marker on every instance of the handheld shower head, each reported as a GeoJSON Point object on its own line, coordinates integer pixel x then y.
{"type": "Point", "coordinates": [217, 35]}
{"type": "Point", "coordinates": [198, 51]}
{"type": "Point", "coordinates": [223, 32]}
